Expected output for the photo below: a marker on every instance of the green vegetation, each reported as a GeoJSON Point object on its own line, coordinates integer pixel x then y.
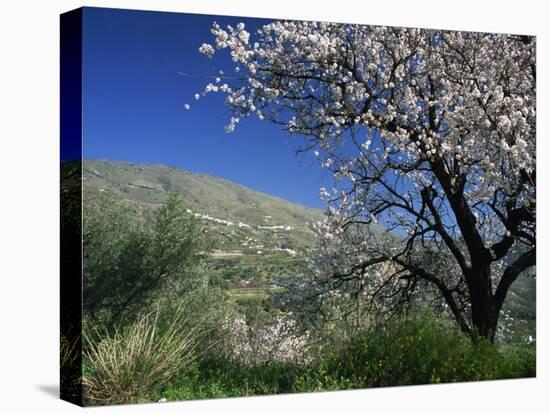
{"type": "Point", "coordinates": [127, 265]}
{"type": "Point", "coordinates": [171, 315]}
{"type": "Point", "coordinates": [273, 236]}
{"type": "Point", "coordinates": [422, 349]}
{"type": "Point", "coordinates": [415, 350]}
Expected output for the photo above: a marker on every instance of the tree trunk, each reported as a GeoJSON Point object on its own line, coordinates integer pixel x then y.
{"type": "Point", "coordinates": [484, 319]}
{"type": "Point", "coordinates": [485, 310]}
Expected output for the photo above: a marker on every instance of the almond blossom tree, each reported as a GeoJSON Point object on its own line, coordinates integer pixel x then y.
{"type": "Point", "coordinates": [428, 133]}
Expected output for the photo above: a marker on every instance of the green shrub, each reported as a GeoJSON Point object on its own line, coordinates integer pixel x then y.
{"type": "Point", "coordinates": [128, 264]}
{"type": "Point", "coordinates": [424, 349]}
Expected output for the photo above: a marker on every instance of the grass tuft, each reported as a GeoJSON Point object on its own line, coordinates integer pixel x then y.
{"type": "Point", "coordinates": [127, 364]}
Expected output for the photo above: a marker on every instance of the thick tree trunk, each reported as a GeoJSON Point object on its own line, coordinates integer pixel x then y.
{"type": "Point", "coordinates": [484, 319]}
{"type": "Point", "coordinates": [485, 309]}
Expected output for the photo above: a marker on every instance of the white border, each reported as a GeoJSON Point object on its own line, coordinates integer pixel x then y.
{"type": "Point", "coordinates": [29, 204]}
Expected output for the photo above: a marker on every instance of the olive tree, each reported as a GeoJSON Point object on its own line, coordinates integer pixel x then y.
{"type": "Point", "coordinates": [128, 263]}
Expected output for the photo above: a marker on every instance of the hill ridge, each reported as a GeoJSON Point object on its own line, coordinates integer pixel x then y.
{"type": "Point", "coordinates": [197, 174]}
{"type": "Point", "coordinates": [242, 219]}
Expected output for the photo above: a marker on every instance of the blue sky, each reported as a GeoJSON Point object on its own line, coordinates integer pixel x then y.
{"type": "Point", "coordinates": [133, 105]}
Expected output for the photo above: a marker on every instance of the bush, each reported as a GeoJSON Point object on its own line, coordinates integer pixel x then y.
{"type": "Point", "coordinates": [133, 363]}
{"type": "Point", "coordinates": [424, 349]}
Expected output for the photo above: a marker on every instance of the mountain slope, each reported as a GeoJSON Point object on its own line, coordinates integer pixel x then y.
{"type": "Point", "coordinates": [256, 236]}
{"type": "Point", "coordinates": [148, 183]}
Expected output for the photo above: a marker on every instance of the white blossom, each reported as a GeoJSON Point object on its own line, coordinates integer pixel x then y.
{"type": "Point", "coordinates": [207, 49]}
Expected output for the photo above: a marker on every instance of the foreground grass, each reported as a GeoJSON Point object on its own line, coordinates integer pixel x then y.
{"type": "Point", "coordinates": [407, 352]}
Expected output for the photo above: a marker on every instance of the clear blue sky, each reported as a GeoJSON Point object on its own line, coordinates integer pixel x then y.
{"type": "Point", "coordinates": [133, 105]}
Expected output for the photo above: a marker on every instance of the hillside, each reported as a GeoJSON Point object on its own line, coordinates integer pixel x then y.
{"type": "Point", "coordinates": [255, 235]}
{"type": "Point", "coordinates": [234, 209]}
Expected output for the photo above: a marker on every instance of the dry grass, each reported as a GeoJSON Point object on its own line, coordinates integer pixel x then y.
{"type": "Point", "coordinates": [138, 360]}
